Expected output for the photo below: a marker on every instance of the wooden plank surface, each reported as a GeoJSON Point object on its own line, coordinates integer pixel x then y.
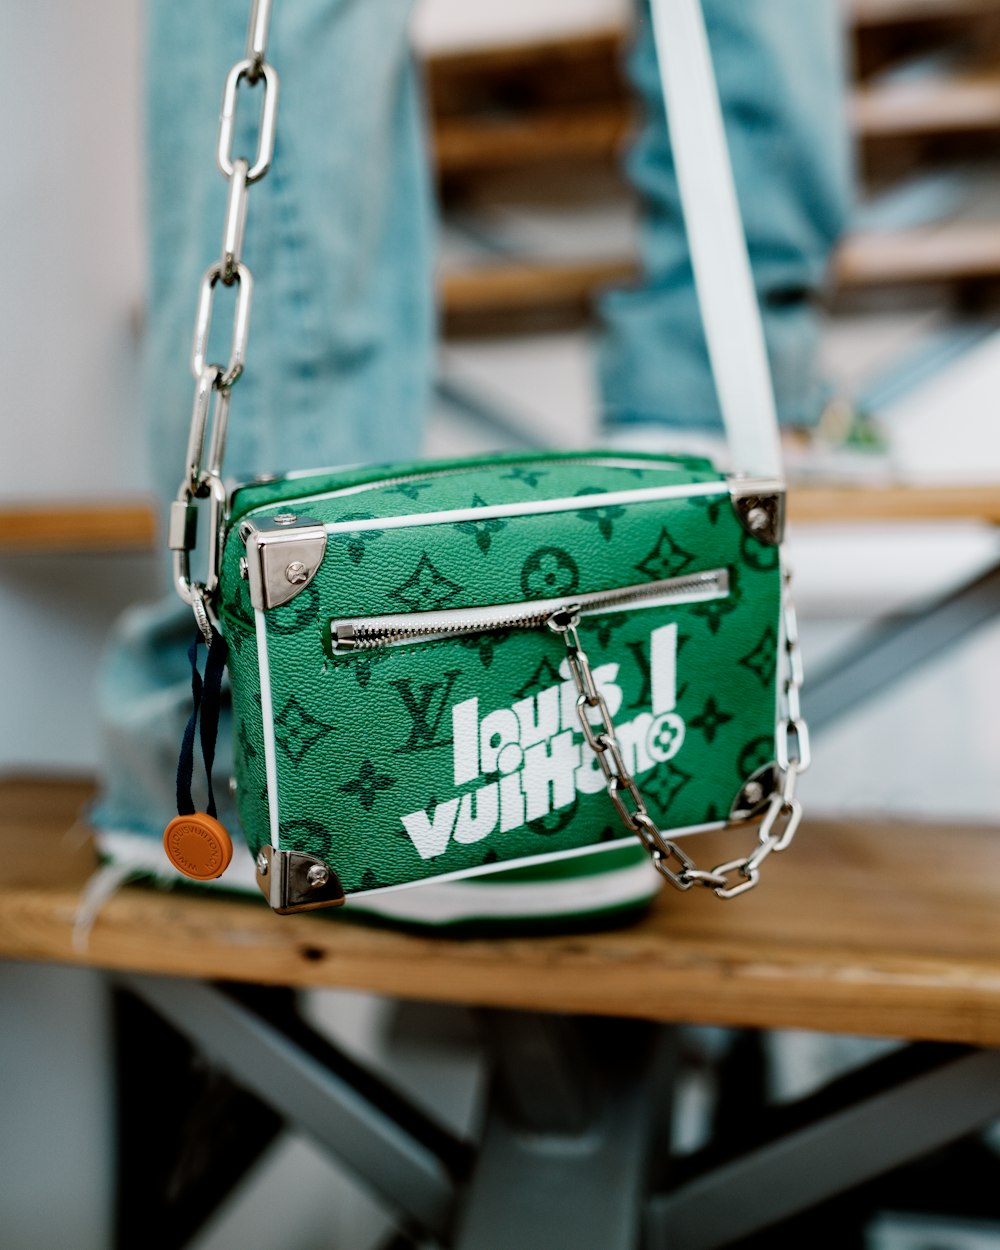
{"type": "Point", "coordinates": [860, 505]}
{"type": "Point", "coordinates": [933, 105]}
{"type": "Point", "coordinates": [471, 144]}
{"type": "Point", "coordinates": [862, 13]}
{"type": "Point", "coordinates": [527, 286]}
{"type": "Point", "coordinates": [130, 526]}
{"type": "Point", "coordinates": [870, 928]}
{"type": "Point", "coordinates": [946, 252]}
{"type": "Point", "coordinates": [556, 54]}
{"type": "Point", "coordinates": [93, 526]}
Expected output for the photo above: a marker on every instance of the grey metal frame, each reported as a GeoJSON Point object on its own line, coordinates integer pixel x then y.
{"type": "Point", "coordinates": [575, 1148]}
{"type": "Point", "coordinates": [892, 649]}
{"type": "Point", "coordinates": [579, 1115]}
{"type": "Point", "coordinates": [906, 1116]}
{"type": "Point", "coordinates": [391, 1147]}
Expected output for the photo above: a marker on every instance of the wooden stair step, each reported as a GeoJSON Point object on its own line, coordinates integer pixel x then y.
{"type": "Point", "coordinates": [965, 101]}
{"type": "Point", "coordinates": [945, 252]}
{"type": "Point", "coordinates": [942, 252]}
{"type": "Point", "coordinates": [471, 65]}
{"type": "Point", "coordinates": [94, 527]}
{"type": "Point", "coordinates": [109, 529]}
{"type": "Point", "coordinates": [868, 504]}
{"type": "Point", "coordinates": [473, 144]}
{"type": "Point", "coordinates": [528, 77]}
{"type": "Point", "coordinates": [865, 13]}
{"type": "Point", "coordinates": [527, 286]}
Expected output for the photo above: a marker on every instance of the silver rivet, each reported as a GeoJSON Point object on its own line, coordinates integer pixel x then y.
{"type": "Point", "coordinates": [758, 519]}
{"type": "Point", "coordinates": [262, 864]}
{"type": "Point", "coordinates": [232, 786]}
{"type": "Point", "coordinates": [318, 875]}
{"type": "Point", "coordinates": [753, 792]}
{"type": "Point", "coordinates": [244, 568]}
{"type": "Point", "coordinates": [296, 573]}
{"type": "Point", "coordinates": [284, 518]}
{"type": "Point", "coordinates": [262, 479]}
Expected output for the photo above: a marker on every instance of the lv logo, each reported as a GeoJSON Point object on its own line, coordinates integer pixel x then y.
{"type": "Point", "coordinates": [427, 709]}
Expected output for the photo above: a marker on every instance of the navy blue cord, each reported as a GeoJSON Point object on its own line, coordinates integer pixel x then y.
{"type": "Point", "coordinates": [206, 698]}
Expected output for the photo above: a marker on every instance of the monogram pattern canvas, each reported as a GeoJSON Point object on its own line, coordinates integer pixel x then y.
{"type": "Point", "coordinates": [448, 755]}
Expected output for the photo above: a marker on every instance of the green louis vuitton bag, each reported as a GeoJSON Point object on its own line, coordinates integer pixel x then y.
{"type": "Point", "coordinates": [443, 670]}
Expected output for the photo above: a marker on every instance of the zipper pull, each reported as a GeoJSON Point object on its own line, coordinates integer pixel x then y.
{"type": "Point", "coordinates": [565, 619]}
{"type": "Point", "coordinates": [196, 843]}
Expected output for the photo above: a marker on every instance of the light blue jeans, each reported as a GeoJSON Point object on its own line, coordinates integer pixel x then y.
{"type": "Point", "coordinates": [780, 72]}
{"type": "Point", "coordinates": [340, 241]}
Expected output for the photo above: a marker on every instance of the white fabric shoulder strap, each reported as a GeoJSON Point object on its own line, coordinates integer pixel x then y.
{"type": "Point", "coordinates": [723, 277]}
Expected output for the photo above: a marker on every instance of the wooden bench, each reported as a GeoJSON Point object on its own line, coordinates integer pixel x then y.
{"type": "Point", "coordinates": [866, 927]}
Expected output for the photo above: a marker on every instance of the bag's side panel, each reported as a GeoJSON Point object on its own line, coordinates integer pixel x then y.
{"type": "Point", "coordinates": [249, 753]}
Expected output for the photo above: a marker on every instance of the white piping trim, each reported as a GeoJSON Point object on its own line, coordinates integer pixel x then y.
{"type": "Point", "coordinates": [526, 861]}
{"type": "Point", "coordinates": [595, 461]}
{"type": "Point", "coordinates": [267, 717]}
{"type": "Point", "coordinates": [575, 503]}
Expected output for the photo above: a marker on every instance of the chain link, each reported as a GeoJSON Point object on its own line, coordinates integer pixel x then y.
{"type": "Point", "coordinates": [783, 810]}
{"type": "Point", "coordinates": [236, 220]}
{"type": "Point", "coordinates": [240, 73]}
{"type": "Point", "coordinates": [257, 32]}
{"type": "Point", "coordinates": [202, 480]}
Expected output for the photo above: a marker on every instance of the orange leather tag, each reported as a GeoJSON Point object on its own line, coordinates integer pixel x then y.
{"type": "Point", "coordinates": [198, 846]}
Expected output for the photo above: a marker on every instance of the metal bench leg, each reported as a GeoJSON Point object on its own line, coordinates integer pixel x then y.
{"type": "Point", "coordinates": [580, 1116]}
{"type": "Point", "coordinates": [892, 649]}
{"type": "Point", "coordinates": [926, 1102]}
{"type": "Point", "coordinates": [186, 1134]}
{"type": "Point", "coordinates": [403, 1156]}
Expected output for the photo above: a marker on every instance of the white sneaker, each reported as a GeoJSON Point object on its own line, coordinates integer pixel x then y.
{"type": "Point", "coordinates": [608, 883]}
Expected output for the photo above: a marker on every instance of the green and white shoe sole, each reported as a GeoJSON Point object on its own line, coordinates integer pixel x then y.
{"type": "Point", "coordinates": [596, 886]}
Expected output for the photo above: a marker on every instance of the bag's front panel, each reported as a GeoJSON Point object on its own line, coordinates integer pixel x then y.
{"type": "Point", "coordinates": [411, 761]}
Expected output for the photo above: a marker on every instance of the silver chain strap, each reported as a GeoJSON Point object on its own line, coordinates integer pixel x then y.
{"type": "Point", "coordinates": [781, 810]}
{"type": "Point", "coordinates": [214, 382]}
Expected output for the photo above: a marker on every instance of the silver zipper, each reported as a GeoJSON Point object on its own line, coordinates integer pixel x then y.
{"type": "Point", "coordinates": [368, 632]}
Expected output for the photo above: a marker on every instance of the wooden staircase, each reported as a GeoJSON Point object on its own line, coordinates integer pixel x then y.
{"type": "Point", "coordinates": [533, 117]}
{"type": "Point", "coordinates": [556, 114]}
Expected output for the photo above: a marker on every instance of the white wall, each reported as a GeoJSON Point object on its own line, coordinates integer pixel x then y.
{"type": "Point", "coordinates": [70, 256]}
{"type": "Point", "coordinates": [69, 248]}
{"type": "Point", "coordinates": [71, 289]}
